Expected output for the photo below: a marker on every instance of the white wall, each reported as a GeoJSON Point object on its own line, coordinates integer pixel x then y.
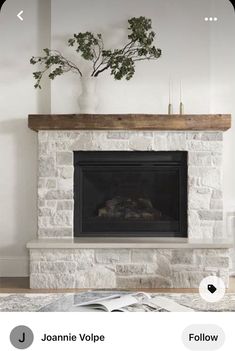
{"type": "Point", "coordinates": [18, 145]}
{"type": "Point", "coordinates": [223, 90]}
{"type": "Point", "coordinates": [201, 54]}
{"type": "Point", "coordinates": [177, 24]}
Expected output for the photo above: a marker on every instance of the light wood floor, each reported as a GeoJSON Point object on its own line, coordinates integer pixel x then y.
{"type": "Point", "coordinates": [21, 285]}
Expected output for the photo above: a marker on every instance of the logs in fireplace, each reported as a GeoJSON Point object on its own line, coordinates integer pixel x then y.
{"type": "Point", "coordinates": [130, 193]}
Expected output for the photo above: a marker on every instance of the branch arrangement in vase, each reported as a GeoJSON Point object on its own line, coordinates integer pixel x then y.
{"type": "Point", "coordinates": [120, 62]}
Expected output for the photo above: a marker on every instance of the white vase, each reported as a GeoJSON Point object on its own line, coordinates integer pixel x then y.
{"type": "Point", "coordinates": [88, 100]}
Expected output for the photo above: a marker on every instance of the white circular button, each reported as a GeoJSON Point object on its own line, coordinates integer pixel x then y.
{"type": "Point", "coordinates": [212, 289]}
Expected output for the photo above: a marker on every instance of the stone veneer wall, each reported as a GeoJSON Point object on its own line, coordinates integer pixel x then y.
{"type": "Point", "coordinates": [55, 184]}
{"type": "Point", "coordinates": [127, 268]}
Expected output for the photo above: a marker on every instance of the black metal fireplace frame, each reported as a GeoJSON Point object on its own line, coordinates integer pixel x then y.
{"type": "Point", "coordinates": [84, 160]}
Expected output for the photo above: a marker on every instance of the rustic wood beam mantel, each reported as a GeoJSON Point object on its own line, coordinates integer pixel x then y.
{"type": "Point", "coordinates": [219, 122]}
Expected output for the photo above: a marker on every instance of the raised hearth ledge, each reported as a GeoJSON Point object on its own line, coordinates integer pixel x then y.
{"type": "Point", "coordinates": [132, 243]}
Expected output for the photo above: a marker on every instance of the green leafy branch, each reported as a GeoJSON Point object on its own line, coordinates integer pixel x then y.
{"type": "Point", "coordinates": [53, 59]}
{"type": "Point", "coordinates": [121, 62]}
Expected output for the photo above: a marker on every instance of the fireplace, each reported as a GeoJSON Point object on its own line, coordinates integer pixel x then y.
{"type": "Point", "coordinates": [150, 183]}
{"type": "Point", "coordinates": [130, 193]}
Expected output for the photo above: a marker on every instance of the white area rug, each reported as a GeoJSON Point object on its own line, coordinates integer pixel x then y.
{"type": "Point", "coordinates": [68, 302]}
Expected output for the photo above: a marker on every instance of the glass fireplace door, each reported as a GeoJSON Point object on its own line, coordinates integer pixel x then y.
{"type": "Point", "coordinates": [130, 194]}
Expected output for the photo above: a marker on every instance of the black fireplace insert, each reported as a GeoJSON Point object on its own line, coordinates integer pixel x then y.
{"type": "Point", "coordinates": [130, 194]}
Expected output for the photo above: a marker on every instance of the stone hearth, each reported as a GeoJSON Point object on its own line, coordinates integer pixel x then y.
{"type": "Point", "coordinates": [125, 268]}
{"type": "Point", "coordinates": [128, 266]}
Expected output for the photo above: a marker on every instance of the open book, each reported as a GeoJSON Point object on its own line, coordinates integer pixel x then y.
{"type": "Point", "coordinates": [135, 302]}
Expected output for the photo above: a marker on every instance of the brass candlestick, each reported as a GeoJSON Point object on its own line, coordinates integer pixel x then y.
{"type": "Point", "coordinates": [170, 109]}
{"type": "Point", "coordinates": [181, 103]}
{"type": "Point", "coordinates": [170, 106]}
{"type": "Point", "coordinates": [181, 108]}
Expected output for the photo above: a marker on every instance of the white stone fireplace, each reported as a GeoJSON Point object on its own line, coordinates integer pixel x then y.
{"type": "Point", "coordinates": [58, 260]}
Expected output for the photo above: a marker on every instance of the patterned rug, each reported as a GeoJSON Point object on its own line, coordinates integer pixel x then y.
{"type": "Point", "coordinates": [68, 302]}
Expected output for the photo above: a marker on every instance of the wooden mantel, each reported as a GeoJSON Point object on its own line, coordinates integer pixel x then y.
{"type": "Point", "coordinates": [218, 122]}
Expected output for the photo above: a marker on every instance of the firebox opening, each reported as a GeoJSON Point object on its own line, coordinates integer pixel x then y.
{"type": "Point", "coordinates": [130, 194]}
